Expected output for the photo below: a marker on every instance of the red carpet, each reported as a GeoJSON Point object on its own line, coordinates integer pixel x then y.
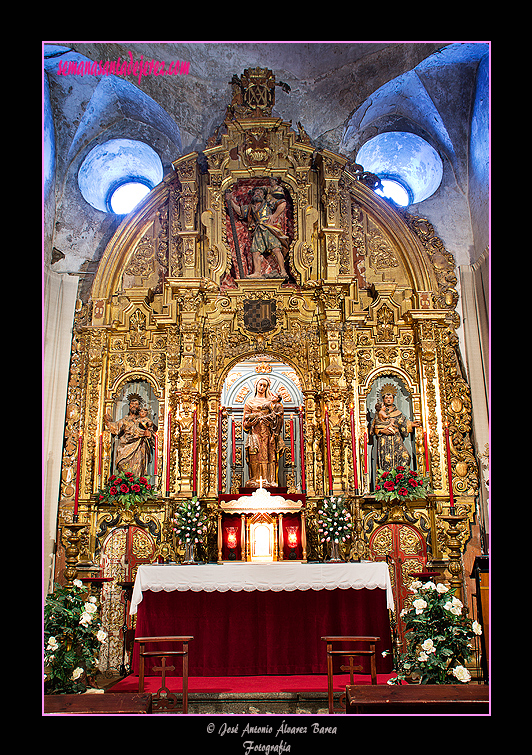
{"type": "Point", "coordinates": [245, 684]}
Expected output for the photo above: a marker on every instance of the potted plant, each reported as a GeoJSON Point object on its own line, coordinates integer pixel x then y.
{"type": "Point", "coordinates": [334, 524]}
{"type": "Point", "coordinates": [438, 637]}
{"type": "Point", "coordinates": [125, 491]}
{"type": "Point", "coordinates": [189, 525]}
{"type": "Point", "coordinates": [72, 640]}
{"type": "Point", "coordinates": [401, 484]}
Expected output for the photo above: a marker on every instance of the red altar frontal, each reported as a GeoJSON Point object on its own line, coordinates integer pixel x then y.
{"type": "Point", "coordinates": [263, 618]}
{"type": "Point", "coordinates": [262, 525]}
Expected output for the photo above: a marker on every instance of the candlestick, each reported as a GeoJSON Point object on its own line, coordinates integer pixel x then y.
{"type": "Point", "coordinates": [302, 451]}
{"type": "Point", "coordinates": [365, 453]}
{"type": "Point", "coordinates": [328, 442]}
{"type": "Point", "coordinates": [354, 448]}
{"type": "Point", "coordinates": [194, 450]}
{"type": "Point", "coordinates": [233, 439]}
{"type": "Point", "coordinates": [168, 449]}
{"type": "Point", "coordinates": [78, 474]}
{"type": "Point", "coordinates": [449, 469]}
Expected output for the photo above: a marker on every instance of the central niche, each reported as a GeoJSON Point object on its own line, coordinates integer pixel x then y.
{"type": "Point", "coordinates": [240, 386]}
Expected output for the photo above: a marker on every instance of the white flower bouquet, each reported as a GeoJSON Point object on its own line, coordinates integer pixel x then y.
{"type": "Point", "coordinates": [438, 637]}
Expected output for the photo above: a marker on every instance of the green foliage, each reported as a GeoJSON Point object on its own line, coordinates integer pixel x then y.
{"type": "Point", "coordinates": [438, 637]}
{"type": "Point", "coordinates": [72, 640]}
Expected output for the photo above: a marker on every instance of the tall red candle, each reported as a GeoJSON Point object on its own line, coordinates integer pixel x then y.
{"type": "Point", "coordinates": [302, 451]}
{"type": "Point", "coordinates": [100, 449]}
{"type": "Point", "coordinates": [168, 449]}
{"type": "Point", "coordinates": [220, 450]}
{"type": "Point", "coordinates": [292, 439]}
{"type": "Point", "coordinates": [328, 442]}
{"type": "Point", "coordinates": [354, 448]}
{"type": "Point", "coordinates": [449, 470]}
{"type": "Point", "coordinates": [78, 475]}
{"type": "Point", "coordinates": [426, 453]}
{"type": "Point", "coordinates": [194, 449]}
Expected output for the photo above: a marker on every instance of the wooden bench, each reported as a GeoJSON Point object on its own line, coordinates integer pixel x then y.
{"type": "Point", "coordinates": [431, 699]}
{"type": "Point", "coordinates": [110, 703]}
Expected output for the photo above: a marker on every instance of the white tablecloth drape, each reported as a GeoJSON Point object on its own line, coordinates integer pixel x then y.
{"type": "Point", "coordinates": [275, 576]}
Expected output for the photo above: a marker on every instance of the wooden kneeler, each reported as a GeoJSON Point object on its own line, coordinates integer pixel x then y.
{"type": "Point", "coordinates": [349, 654]}
{"type": "Point", "coordinates": [164, 698]}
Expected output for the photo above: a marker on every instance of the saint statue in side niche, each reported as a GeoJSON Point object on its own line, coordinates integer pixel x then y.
{"type": "Point", "coordinates": [263, 422]}
{"type": "Point", "coordinates": [135, 435]}
{"type": "Point", "coordinates": [390, 427]}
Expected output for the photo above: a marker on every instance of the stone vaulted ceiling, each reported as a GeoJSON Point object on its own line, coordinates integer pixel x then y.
{"type": "Point", "coordinates": [342, 93]}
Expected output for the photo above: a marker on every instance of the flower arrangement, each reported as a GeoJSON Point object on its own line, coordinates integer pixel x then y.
{"type": "Point", "coordinates": [72, 640]}
{"type": "Point", "coordinates": [125, 490]}
{"type": "Point", "coordinates": [189, 525]}
{"type": "Point", "coordinates": [438, 637]}
{"type": "Point", "coordinates": [401, 484]}
{"type": "Point", "coordinates": [334, 523]}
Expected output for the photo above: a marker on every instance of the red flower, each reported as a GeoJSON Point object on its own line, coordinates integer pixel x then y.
{"type": "Point", "coordinates": [414, 483]}
{"type": "Point", "coordinates": [377, 487]}
{"type": "Point", "coordinates": [113, 477]}
{"type": "Point", "coordinates": [113, 490]}
{"type": "Point", "coordinates": [143, 480]}
{"type": "Point", "coordinates": [401, 469]}
{"type": "Point", "coordinates": [389, 485]}
{"type": "Point", "coordinates": [399, 476]}
{"type": "Point", "coordinates": [402, 491]}
{"type": "Point", "coordinates": [148, 487]}
{"type": "Point", "coordinates": [135, 488]}
{"type": "Point", "coordinates": [124, 488]}
{"type": "Point", "coordinates": [413, 473]}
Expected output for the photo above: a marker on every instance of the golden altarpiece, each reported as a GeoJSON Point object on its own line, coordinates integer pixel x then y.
{"type": "Point", "coordinates": [367, 298]}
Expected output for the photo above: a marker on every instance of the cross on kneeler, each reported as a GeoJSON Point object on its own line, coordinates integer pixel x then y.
{"type": "Point", "coordinates": [351, 668]}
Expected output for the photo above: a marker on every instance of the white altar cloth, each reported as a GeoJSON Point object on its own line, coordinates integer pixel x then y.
{"type": "Point", "coordinates": [275, 576]}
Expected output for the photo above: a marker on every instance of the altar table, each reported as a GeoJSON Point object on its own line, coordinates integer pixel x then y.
{"type": "Point", "coordinates": [258, 619]}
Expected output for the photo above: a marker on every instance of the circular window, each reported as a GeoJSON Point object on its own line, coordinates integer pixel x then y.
{"type": "Point", "coordinates": [117, 174]}
{"type": "Point", "coordinates": [396, 191]}
{"type": "Point", "coordinates": [127, 196]}
{"type": "Point", "coordinates": [405, 163]}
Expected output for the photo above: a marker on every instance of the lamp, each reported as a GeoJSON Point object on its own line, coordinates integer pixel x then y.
{"type": "Point", "coordinates": [231, 541]}
{"type": "Point", "coordinates": [291, 532]}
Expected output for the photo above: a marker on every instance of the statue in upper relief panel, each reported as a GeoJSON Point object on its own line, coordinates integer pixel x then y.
{"type": "Point", "coordinates": [259, 231]}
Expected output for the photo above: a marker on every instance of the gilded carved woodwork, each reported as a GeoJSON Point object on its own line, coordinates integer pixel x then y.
{"type": "Point", "coordinates": [371, 292]}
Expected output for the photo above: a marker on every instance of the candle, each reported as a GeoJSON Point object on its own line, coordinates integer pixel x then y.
{"type": "Point", "coordinates": [365, 453]}
{"type": "Point", "coordinates": [302, 450]}
{"type": "Point", "coordinates": [168, 448]}
{"type": "Point", "coordinates": [292, 440]}
{"type": "Point", "coordinates": [233, 438]}
{"type": "Point", "coordinates": [328, 442]}
{"type": "Point", "coordinates": [426, 453]}
{"type": "Point", "coordinates": [449, 470]}
{"type": "Point", "coordinates": [78, 474]}
{"type": "Point", "coordinates": [220, 450]}
{"type": "Point", "coordinates": [194, 450]}
{"type": "Point", "coordinates": [100, 449]}
{"type": "Point", "coordinates": [354, 448]}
